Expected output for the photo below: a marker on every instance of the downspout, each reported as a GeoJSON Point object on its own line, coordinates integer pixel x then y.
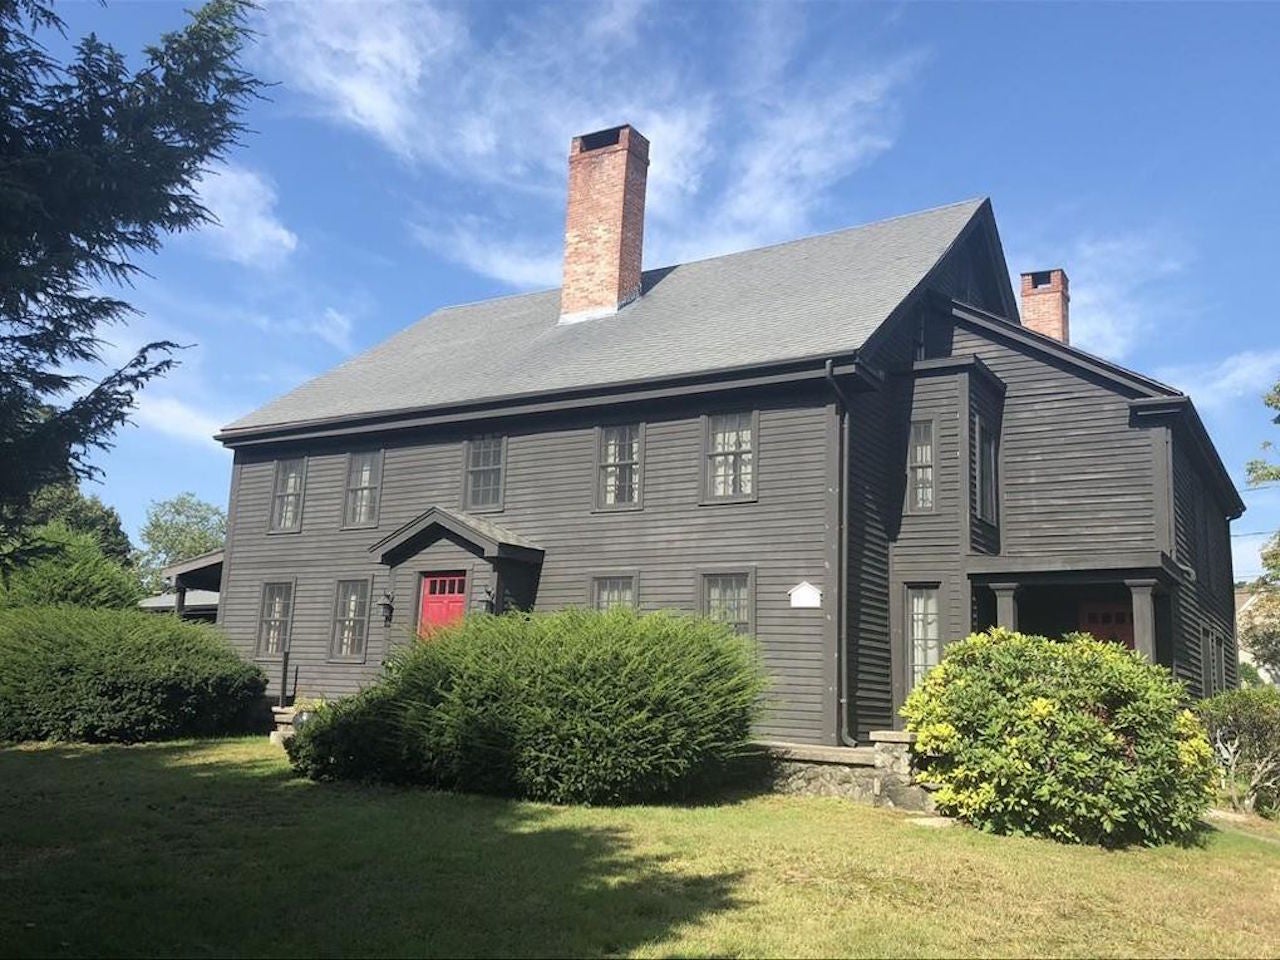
{"type": "Point", "coordinates": [846, 736]}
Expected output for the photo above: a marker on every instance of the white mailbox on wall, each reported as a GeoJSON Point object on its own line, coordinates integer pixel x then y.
{"type": "Point", "coordinates": [804, 594]}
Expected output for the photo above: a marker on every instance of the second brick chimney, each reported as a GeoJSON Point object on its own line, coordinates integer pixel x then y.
{"type": "Point", "coordinates": [1046, 301]}
{"type": "Point", "coordinates": [604, 227]}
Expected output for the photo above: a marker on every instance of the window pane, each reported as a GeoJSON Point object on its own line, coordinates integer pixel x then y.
{"type": "Point", "coordinates": [726, 597]}
{"type": "Point", "coordinates": [614, 592]}
{"type": "Point", "coordinates": [923, 627]}
{"type": "Point", "coordinates": [730, 467]}
{"type": "Point", "coordinates": [920, 462]}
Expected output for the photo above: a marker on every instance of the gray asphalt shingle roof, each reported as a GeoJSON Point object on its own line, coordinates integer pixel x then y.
{"type": "Point", "coordinates": [820, 295]}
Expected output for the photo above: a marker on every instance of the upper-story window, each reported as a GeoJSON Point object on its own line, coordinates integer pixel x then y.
{"type": "Point", "coordinates": [729, 445]}
{"type": "Point", "coordinates": [987, 479]}
{"type": "Point", "coordinates": [486, 462]}
{"type": "Point", "coordinates": [618, 455]}
{"type": "Point", "coordinates": [364, 483]}
{"type": "Point", "coordinates": [920, 467]}
{"type": "Point", "coordinates": [286, 502]}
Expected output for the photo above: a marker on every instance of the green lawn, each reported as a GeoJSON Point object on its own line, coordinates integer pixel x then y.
{"type": "Point", "coordinates": [212, 849]}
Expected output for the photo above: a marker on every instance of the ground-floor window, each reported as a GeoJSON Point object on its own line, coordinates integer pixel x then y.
{"type": "Point", "coordinates": [729, 597]}
{"type": "Point", "coordinates": [351, 618]}
{"type": "Point", "coordinates": [613, 591]}
{"type": "Point", "coordinates": [924, 634]}
{"type": "Point", "coordinates": [274, 619]}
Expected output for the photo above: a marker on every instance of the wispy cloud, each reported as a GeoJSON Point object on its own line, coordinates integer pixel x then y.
{"type": "Point", "coordinates": [1246, 555]}
{"type": "Point", "coordinates": [179, 419]}
{"type": "Point", "coordinates": [1216, 384]}
{"type": "Point", "coordinates": [748, 139]}
{"type": "Point", "coordinates": [247, 231]}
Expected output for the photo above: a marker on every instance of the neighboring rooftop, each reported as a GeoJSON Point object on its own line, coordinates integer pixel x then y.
{"type": "Point", "coordinates": [817, 296]}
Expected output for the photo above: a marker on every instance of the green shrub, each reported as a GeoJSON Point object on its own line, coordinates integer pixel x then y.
{"type": "Point", "coordinates": [1076, 740]}
{"type": "Point", "coordinates": [1244, 728]}
{"type": "Point", "coordinates": [69, 673]}
{"type": "Point", "coordinates": [72, 569]}
{"type": "Point", "coordinates": [568, 707]}
{"type": "Point", "coordinates": [354, 738]}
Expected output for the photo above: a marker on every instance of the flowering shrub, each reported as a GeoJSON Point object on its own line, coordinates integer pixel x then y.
{"type": "Point", "coordinates": [1076, 740]}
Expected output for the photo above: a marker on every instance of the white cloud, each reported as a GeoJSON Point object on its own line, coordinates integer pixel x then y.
{"type": "Point", "coordinates": [330, 325]}
{"type": "Point", "coordinates": [179, 419]}
{"type": "Point", "coordinates": [247, 229]}
{"type": "Point", "coordinates": [1220, 383]}
{"type": "Point", "coordinates": [747, 140]}
{"type": "Point", "coordinates": [1246, 555]}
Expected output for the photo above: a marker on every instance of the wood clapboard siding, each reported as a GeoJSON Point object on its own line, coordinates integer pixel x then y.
{"type": "Point", "coordinates": [548, 499]}
{"type": "Point", "coordinates": [1075, 477]}
{"type": "Point", "coordinates": [986, 407]}
{"type": "Point", "coordinates": [1205, 597]}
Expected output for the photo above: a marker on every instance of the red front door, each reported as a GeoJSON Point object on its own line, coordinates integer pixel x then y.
{"type": "Point", "coordinates": [1108, 621]}
{"type": "Point", "coordinates": [444, 600]}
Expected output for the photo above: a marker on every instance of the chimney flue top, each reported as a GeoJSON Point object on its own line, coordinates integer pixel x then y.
{"type": "Point", "coordinates": [1046, 302]}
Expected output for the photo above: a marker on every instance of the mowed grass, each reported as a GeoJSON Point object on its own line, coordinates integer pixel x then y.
{"type": "Point", "coordinates": [211, 848]}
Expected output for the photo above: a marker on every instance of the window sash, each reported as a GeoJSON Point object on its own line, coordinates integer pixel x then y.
{"type": "Point", "coordinates": [351, 618]}
{"type": "Point", "coordinates": [619, 455]}
{"type": "Point", "coordinates": [286, 502]}
{"type": "Point", "coordinates": [613, 591]}
{"type": "Point", "coordinates": [923, 631]}
{"type": "Point", "coordinates": [920, 466]}
{"type": "Point", "coordinates": [730, 456]}
{"type": "Point", "coordinates": [485, 456]}
{"type": "Point", "coordinates": [727, 597]}
{"type": "Point", "coordinates": [364, 481]}
{"type": "Point", "coordinates": [986, 473]}
{"type": "Point", "coordinates": [274, 617]}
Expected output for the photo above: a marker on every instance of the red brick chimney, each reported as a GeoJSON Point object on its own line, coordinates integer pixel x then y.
{"type": "Point", "coordinates": [1046, 302]}
{"type": "Point", "coordinates": [604, 228]}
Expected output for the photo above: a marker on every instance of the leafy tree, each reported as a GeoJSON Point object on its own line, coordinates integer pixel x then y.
{"type": "Point", "coordinates": [71, 569]}
{"type": "Point", "coordinates": [1249, 675]}
{"type": "Point", "coordinates": [1261, 471]}
{"type": "Point", "coordinates": [80, 513]}
{"type": "Point", "coordinates": [98, 163]}
{"type": "Point", "coordinates": [177, 529]}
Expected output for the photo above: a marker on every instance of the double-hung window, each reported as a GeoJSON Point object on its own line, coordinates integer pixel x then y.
{"type": "Point", "coordinates": [486, 458]}
{"type": "Point", "coordinates": [350, 619]}
{"type": "Point", "coordinates": [729, 461]}
{"type": "Point", "coordinates": [986, 473]}
{"type": "Point", "coordinates": [923, 631]}
{"type": "Point", "coordinates": [613, 591]}
{"type": "Point", "coordinates": [274, 619]}
{"type": "Point", "coordinates": [364, 482]}
{"type": "Point", "coordinates": [619, 454]}
{"type": "Point", "coordinates": [920, 467]}
{"type": "Point", "coordinates": [286, 500]}
{"type": "Point", "coordinates": [730, 598]}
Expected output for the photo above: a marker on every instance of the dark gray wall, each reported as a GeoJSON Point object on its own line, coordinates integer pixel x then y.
{"type": "Point", "coordinates": [548, 499]}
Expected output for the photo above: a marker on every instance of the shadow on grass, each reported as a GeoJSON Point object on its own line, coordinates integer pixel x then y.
{"type": "Point", "coordinates": [213, 849]}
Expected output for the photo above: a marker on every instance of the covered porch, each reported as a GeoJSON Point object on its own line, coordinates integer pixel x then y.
{"type": "Point", "coordinates": [1129, 605]}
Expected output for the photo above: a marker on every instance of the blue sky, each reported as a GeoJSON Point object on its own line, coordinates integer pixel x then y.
{"type": "Point", "coordinates": [412, 156]}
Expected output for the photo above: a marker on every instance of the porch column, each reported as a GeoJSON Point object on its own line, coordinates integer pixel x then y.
{"type": "Point", "coordinates": [1006, 605]}
{"type": "Point", "coordinates": [1144, 616]}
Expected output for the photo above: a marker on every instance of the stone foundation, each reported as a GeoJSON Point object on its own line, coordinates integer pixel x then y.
{"type": "Point", "coordinates": [283, 717]}
{"type": "Point", "coordinates": [880, 775]}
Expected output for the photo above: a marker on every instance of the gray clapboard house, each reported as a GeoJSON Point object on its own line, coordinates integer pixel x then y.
{"type": "Point", "coordinates": [849, 446]}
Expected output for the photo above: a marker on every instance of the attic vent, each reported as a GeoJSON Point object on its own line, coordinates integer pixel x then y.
{"type": "Point", "coordinates": [1042, 278]}
{"type": "Point", "coordinates": [601, 138]}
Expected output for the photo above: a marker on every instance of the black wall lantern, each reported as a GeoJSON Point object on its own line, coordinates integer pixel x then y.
{"type": "Point", "coordinates": [388, 607]}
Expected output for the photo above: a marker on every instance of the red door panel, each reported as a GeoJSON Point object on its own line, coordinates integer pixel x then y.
{"type": "Point", "coordinates": [1108, 621]}
{"type": "Point", "coordinates": [444, 600]}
